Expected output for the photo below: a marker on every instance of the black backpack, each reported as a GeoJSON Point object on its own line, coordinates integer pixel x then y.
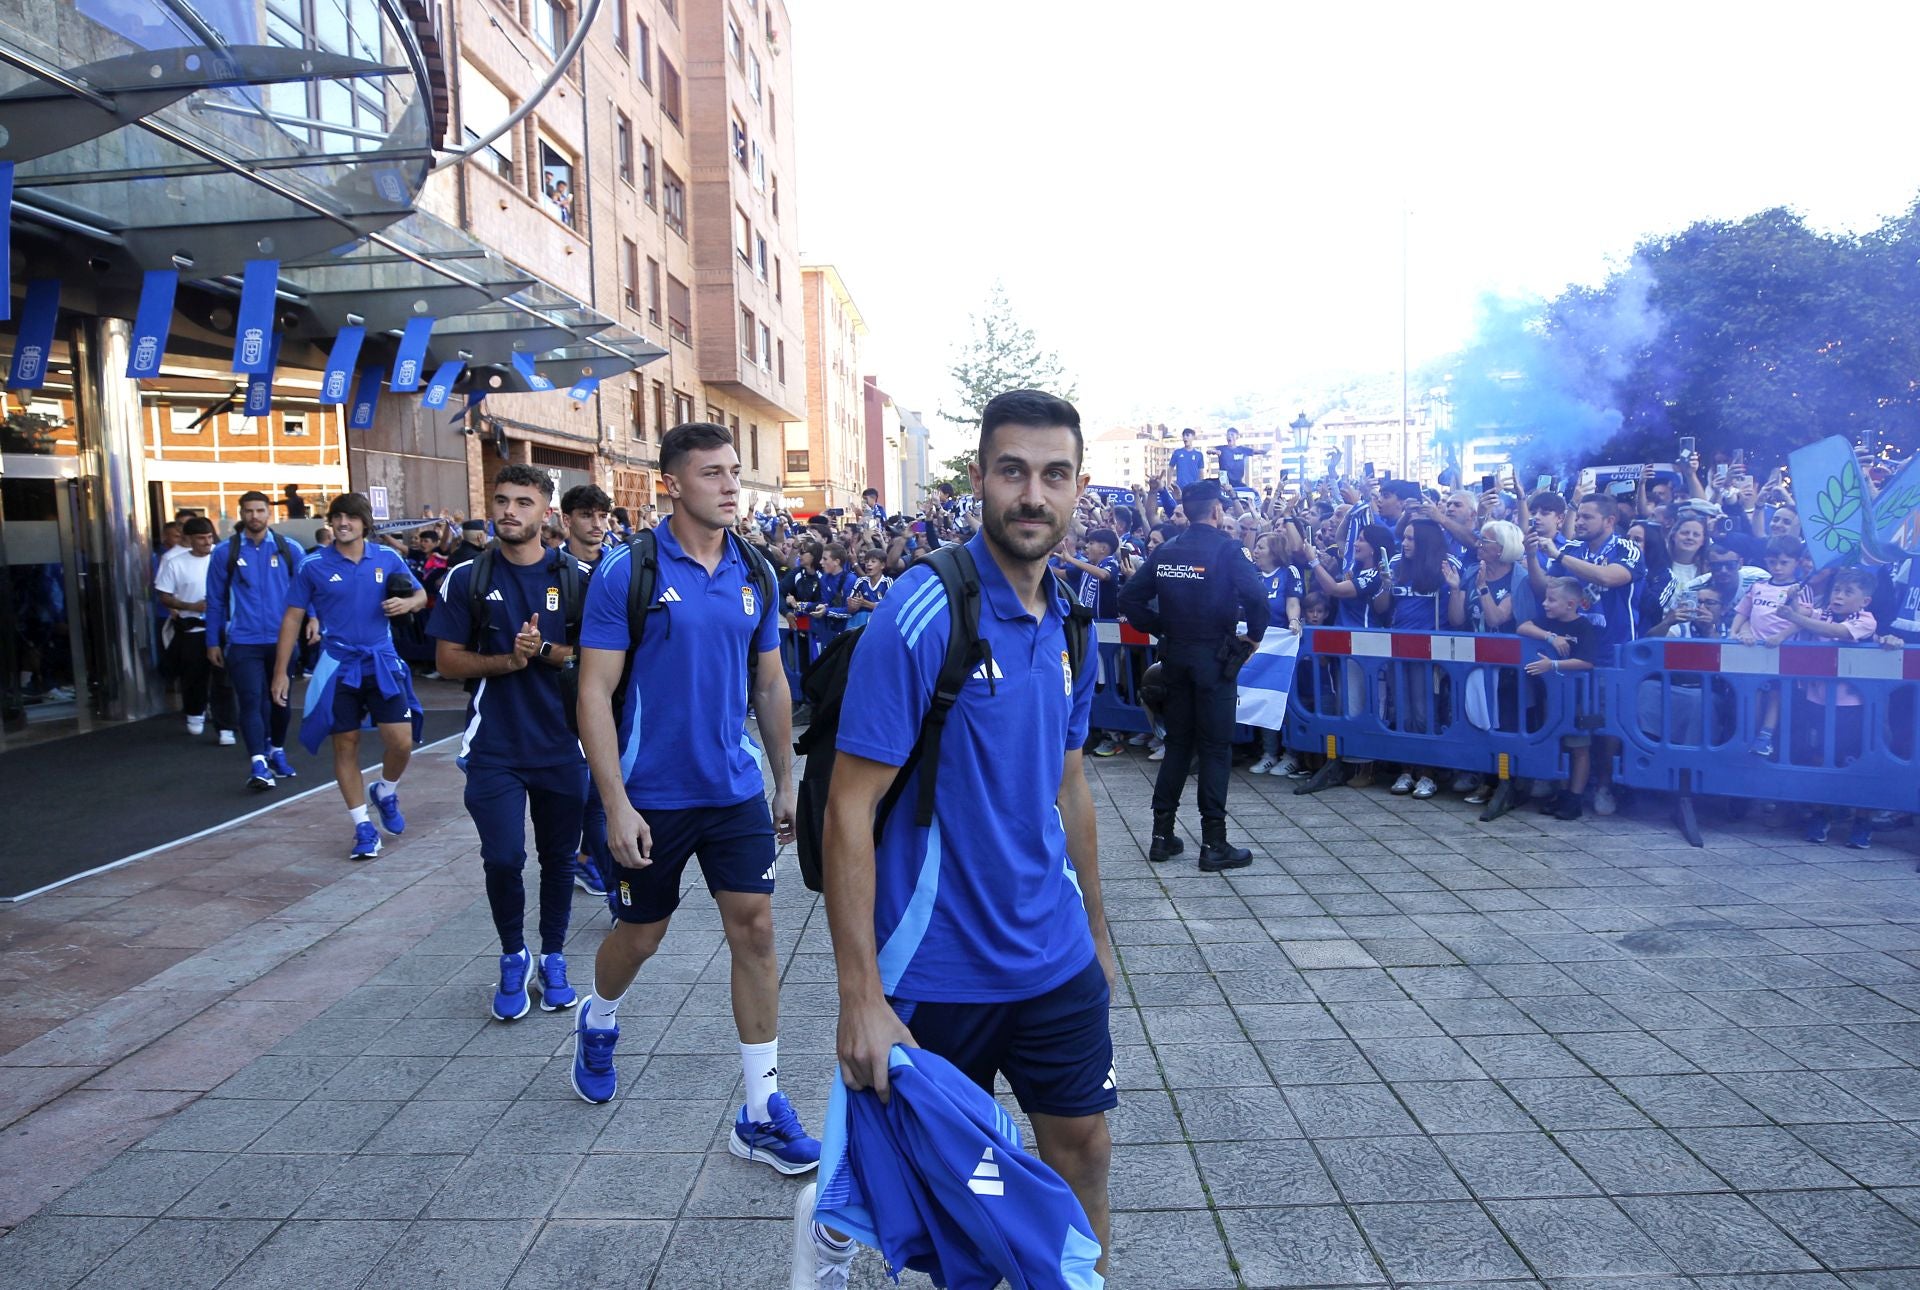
{"type": "Point", "coordinates": [826, 685]}
{"type": "Point", "coordinates": [289, 561]}
{"type": "Point", "coordinates": [643, 549]}
{"type": "Point", "coordinates": [573, 600]}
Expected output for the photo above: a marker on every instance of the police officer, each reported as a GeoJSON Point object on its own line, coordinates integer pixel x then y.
{"type": "Point", "coordinates": [1205, 586]}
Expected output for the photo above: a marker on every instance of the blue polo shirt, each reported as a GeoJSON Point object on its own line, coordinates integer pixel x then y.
{"type": "Point", "coordinates": [1611, 608]}
{"type": "Point", "coordinates": [984, 905]}
{"type": "Point", "coordinates": [1189, 464]}
{"type": "Point", "coordinates": [683, 719]}
{"type": "Point", "coordinates": [246, 608]}
{"type": "Point", "coordinates": [518, 718]}
{"type": "Point", "coordinates": [345, 594]}
{"type": "Point", "coordinates": [1233, 462]}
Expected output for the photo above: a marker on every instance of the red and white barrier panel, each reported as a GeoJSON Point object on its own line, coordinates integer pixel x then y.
{"type": "Point", "coordinates": [1417, 647]}
{"type": "Point", "coordinates": [1846, 662]}
{"type": "Point", "coordinates": [1113, 632]}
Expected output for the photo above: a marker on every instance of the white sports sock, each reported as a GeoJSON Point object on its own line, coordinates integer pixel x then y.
{"type": "Point", "coordinates": [838, 1250]}
{"type": "Point", "coordinates": [380, 787]}
{"type": "Point", "coordinates": [600, 1012]}
{"type": "Point", "coordinates": [760, 1063]}
{"type": "Point", "coordinates": [360, 816]}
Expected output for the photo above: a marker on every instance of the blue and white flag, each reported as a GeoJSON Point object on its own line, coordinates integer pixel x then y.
{"type": "Point", "coordinates": [253, 332]}
{"type": "Point", "coordinates": [408, 363]}
{"type": "Point", "coordinates": [442, 383]}
{"type": "Point", "coordinates": [583, 389]}
{"type": "Point", "coordinates": [337, 383]}
{"type": "Point", "coordinates": [260, 386]}
{"type": "Point", "coordinates": [366, 397]}
{"type": "Point", "coordinates": [1266, 679]}
{"type": "Point", "coordinates": [37, 316]}
{"type": "Point", "coordinates": [523, 364]}
{"type": "Point", "coordinates": [151, 322]}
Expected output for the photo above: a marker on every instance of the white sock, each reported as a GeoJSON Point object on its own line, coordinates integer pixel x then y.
{"type": "Point", "coordinates": [260, 761]}
{"type": "Point", "coordinates": [360, 816]}
{"type": "Point", "coordinates": [600, 1012]}
{"type": "Point", "coordinates": [381, 787]}
{"type": "Point", "coordinates": [761, 1065]}
{"type": "Point", "coordinates": [825, 1240]}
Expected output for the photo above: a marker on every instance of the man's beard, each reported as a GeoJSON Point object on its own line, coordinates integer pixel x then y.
{"type": "Point", "coordinates": [527, 534]}
{"type": "Point", "coordinates": [1024, 544]}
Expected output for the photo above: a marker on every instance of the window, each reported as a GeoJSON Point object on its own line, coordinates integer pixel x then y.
{"type": "Point", "coordinates": [643, 53]}
{"type": "Point", "coordinates": [550, 19]}
{"type": "Point", "coordinates": [773, 194]}
{"type": "Point", "coordinates": [682, 408]}
{"type": "Point", "coordinates": [674, 200]}
{"type": "Point", "coordinates": [556, 183]}
{"type": "Point", "coordinates": [759, 170]}
{"type": "Point", "coordinates": [180, 420]}
{"type": "Point", "coordinates": [777, 295]}
{"type": "Point", "coordinates": [623, 144]}
{"type": "Point", "coordinates": [773, 116]}
{"type": "Point", "coordinates": [638, 409]}
{"type": "Point", "coordinates": [740, 142]}
{"type": "Point", "coordinates": [653, 291]}
{"type": "Point", "coordinates": [646, 173]}
{"type": "Point", "coordinates": [797, 463]}
{"type": "Point", "coordinates": [759, 257]}
{"type": "Point", "coordinates": [620, 25]}
{"type": "Point", "coordinates": [719, 418]}
{"type": "Point", "coordinates": [753, 76]}
{"type": "Point", "coordinates": [669, 91]}
{"type": "Point", "coordinates": [660, 406]}
{"type": "Point", "coordinates": [357, 109]}
{"type": "Point", "coordinates": [671, 8]}
{"type": "Point", "coordinates": [766, 346]}
{"type": "Point", "coordinates": [736, 48]}
{"type": "Point", "coordinates": [780, 361]}
{"type": "Point", "coordinates": [753, 438]}
{"type": "Point", "coordinates": [679, 312]}
{"type": "Point", "coordinates": [746, 334]}
{"type": "Point", "coordinates": [742, 235]}
{"type": "Point", "coordinates": [630, 273]}
{"type": "Point", "coordinates": [484, 105]}
{"type": "Point", "coordinates": [293, 424]}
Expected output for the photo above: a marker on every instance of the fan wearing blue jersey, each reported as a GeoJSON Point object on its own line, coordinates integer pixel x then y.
{"type": "Point", "coordinates": [517, 750]}
{"type": "Point", "coordinates": [351, 588]}
{"type": "Point", "coordinates": [982, 937]}
{"type": "Point", "coordinates": [681, 778]}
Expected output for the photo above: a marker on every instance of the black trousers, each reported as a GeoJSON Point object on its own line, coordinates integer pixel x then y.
{"type": "Point", "coordinates": [1198, 711]}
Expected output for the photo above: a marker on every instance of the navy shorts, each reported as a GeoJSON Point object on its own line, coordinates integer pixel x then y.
{"type": "Point", "coordinates": [1056, 1050]}
{"type": "Point", "coordinates": [734, 843]}
{"type": "Point", "coordinates": [354, 703]}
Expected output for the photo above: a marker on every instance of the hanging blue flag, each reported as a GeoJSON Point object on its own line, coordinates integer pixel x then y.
{"type": "Point", "coordinates": [6, 256]}
{"type": "Point", "coordinates": [152, 322]}
{"type": "Point", "coordinates": [583, 389]}
{"type": "Point", "coordinates": [412, 355]}
{"type": "Point", "coordinates": [442, 383]}
{"type": "Point", "coordinates": [473, 401]}
{"type": "Point", "coordinates": [366, 397]}
{"type": "Point", "coordinates": [253, 334]}
{"type": "Point", "coordinates": [37, 316]}
{"type": "Point", "coordinates": [523, 364]}
{"type": "Point", "coordinates": [339, 375]}
{"type": "Point", "coordinates": [260, 388]}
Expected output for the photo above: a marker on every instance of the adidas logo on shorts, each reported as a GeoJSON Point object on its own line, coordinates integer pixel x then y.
{"type": "Point", "coordinates": [769, 874]}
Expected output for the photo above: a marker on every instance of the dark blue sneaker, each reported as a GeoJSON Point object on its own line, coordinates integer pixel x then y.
{"type": "Point", "coordinates": [510, 1001]}
{"type": "Point", "coordinates": [779, 1141]}
{"type": "Point", "coordinates": [1817, 828]}
{"type": "Point", "coordinates": [259, 775]}
{"type": "Point", "coordinates": [366, 842]}
{"type": "Point", "coordinates": [388, 809]}
{"type": "Point", "coordinates": [593, 1074]}
{"type": "Point", "coordinates": [587, 878]}
{"type": "Point", "coordinates": [555, 993]}
{"type": "Point", "coordinates": [1860, 836]}
{"type": "Point", "coordinates": [278, 763]}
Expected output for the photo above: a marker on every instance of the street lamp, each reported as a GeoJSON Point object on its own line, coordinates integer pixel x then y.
{"type": "Point", "coordinates": [1300, 425]}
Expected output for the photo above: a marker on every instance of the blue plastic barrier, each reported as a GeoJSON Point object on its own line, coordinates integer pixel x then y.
{"type": "Point", "coordinates": [1124, 656]}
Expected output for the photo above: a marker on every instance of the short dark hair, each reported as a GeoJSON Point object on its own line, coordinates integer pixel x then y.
{"type": "Point", "coordinates": [196, 526]}
{"type": "Point", "coordinates": [1106, 537]}
{"type": "Point", "coordinates": [353, 504]}
{"type": "Point", "coordinates": [1404, 489]}
{"type": "Point", "coordinates": [1791, 547]}
{"type": "Point", "coordinates": [255, 495]}
{"type": "Point", "coordinates": [585, 497]}
{"type": "Point", "coordinates": [1198, 499]}
{"type": "Point", "coordinates": [620, 513]}
{"type": "Point", "coordinates": [1859, 579]}
{"type": "Point", "coordinates": [1598, 499]}
{"type": "Point", "coordinates": [945, 488]}
{"type": "Point", "coordinates": [525, 476]}
{"type": "Point", "coordinates": [694, 436]}
{"type": "Point", "coordinates": [1184, 433]}
{"type": "Point", "coordinates": [1028, 408]}
{"type": "Point", "coordinates": [837, 551]}
{"type": "Point", "coordinates": [869, 492]}
{"type": "Point", "coordinates": [1548, 502]}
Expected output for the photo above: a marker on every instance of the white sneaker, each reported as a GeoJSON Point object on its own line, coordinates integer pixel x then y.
{"type": "Point", "coordinates": [196, 725]}
{"type": "Point", "coordinates": [1264, 766]}
{"type": "Point", "coordinates": [1140, 740]}
{"type": "Point", "coordinates": [1603, 803]}
{"type": "Point", "coordinates": [1403, 785]}
{"type": "Point", "coordinates": [1425, 788]}
{"type": "Point", "coordinates": [816, 1265]}
{"type": "Point", "coordinates": [1287, 765]}
{"type": "Point", "coordinates": [226, 739]}
{"type": "Point", "coordinates": [1158, 754]}
{"type": "Point", "coordinates": [1106, 747]}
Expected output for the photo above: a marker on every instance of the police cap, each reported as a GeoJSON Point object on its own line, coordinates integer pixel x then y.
{"type": "Point", "coordinates": [1199, 498]}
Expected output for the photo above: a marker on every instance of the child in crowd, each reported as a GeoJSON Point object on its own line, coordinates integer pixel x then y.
{"type": "Point", "coordinates": [870, 589]}
{"type": "Point", "coordinates": [1760, 620]}
{"type": "Point", "coordinates": [1284, 588]}
{"type": "Point", "coordinates": [1848, 620]}
{"type": "Point", "coordinates": [1572, 644]}
{"type": "Point", "coordinates": [830, 612]}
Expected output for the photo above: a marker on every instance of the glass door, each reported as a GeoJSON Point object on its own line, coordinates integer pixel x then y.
{"type": "Point", "coordinates": [44, 689]}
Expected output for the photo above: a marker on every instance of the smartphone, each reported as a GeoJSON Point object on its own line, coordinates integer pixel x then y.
{"type": "Point", "coordinates": [1739, 458]}
{"type": "Point", "coordinates": [1720, 474]}
{"type": "Point", "coordinates": [1367, 470]}
{"type": "Point", "coordinates": [1486, 483]}
{"type": "Point", "coordinates": [1386, 474]}
{"type": "Point", "coordinates": [1686, 446]}
{"type": "Point", "coordinates": [1543, 483]}
{"type": "Point", "coordinates": [1283, 477]}
{"type": "Point", "coordinates": [1624, 488]}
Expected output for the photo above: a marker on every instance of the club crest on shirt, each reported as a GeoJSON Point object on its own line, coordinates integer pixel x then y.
{"type": "Point", "coordinates": [746, 601]}
{"type": "Point", "coordinates": [553, 599]}
{"type": "Point", "coordinates": [1066, 672]}
{"type": "Point", "coordinates": [273, 562]}
{"type": "Point", "coordinates": [379, 575]}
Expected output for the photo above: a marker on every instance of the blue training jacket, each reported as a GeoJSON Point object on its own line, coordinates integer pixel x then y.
{"type": "Point", "coordinates": [937, 1181]}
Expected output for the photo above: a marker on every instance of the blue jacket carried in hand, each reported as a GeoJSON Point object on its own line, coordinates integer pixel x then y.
{"type": "Point", "coordinates": [937, 1181]}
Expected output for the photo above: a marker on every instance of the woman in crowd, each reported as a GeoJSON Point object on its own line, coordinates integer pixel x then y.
{"type": "Point", "coordinates": [1657, 589]}
{"type": "Point", "coordinates": [1687, 549]}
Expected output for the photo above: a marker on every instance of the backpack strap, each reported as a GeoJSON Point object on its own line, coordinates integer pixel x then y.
{"type": "Point", "coordinates": [479, 583]}
{"type": "Point", "coordinates": [760, 574]}
{"type": "Point", "coordinates": [965, 650]}
{"type": "Point", "coordinates": [1078, 627]}
{"type": "Point", "coordinates": [643, 575]}
{"type": "Point", "coordinates": [573, 596]}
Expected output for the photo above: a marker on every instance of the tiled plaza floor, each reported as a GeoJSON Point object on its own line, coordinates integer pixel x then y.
{"type": "Point", "coordinates": [1403, 1048]}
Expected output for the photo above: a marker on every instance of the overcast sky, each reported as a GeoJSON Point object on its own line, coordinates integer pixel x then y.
{"type": "Point", "coordinates": [1204, 196]}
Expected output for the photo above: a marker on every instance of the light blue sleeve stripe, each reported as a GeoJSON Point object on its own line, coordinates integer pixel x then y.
{"type": "Point", "coordinates": [924, 618]}
{"type": "Point", "coordinates": [631, 753]}
{"type": "Point", "coordinates": [904, 942]}
{"type": "Point", "coordinates": [917, 602]}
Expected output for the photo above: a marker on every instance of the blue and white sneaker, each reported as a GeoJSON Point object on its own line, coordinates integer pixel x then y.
{"type": "Point", "coordinates": [388, 809]}
{"type": "Point", "coordinates": [510, 1001]}
{"type": "Point", "coordinates": [778, 1141]}
{"type": "Point", "coordinates": [593, 1074]}
{"type": "Point", "coordinates": [587, 878]}
{"type": "Point", "coordinates": [366, 842]}
{"type": "Point", "coordinates": [259, 775]}
{"type": "Point", "coordinates": [555, 993]}
{"type": "Point", "coordinates": [278, 763]}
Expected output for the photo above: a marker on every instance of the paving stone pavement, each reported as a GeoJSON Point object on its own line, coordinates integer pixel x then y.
{"type": "Point", "coordinates": [1402, 1048]}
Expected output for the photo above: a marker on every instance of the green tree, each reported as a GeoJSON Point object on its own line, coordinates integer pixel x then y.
{"type": "Point", "coordinates": [1000, 354]}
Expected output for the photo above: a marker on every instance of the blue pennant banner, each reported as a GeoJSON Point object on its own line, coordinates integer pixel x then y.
{"type": "Point", "coordinates": [37, 316]}
{"type": "Point", "coordinates": [442, 383]}
{"type": "Point", "coordinates": [6, 249]}
{"type": "Point", "coordinates": [473, 401]}
{"type": "Point", "coordinates": [366, 397]}
{"type": "Point", "coordinates": [339, 375]}
{"type": "Point", "coordinates": [412, 356]}
{"type": "Point", "coordinates": [583, 389]}
{"type": "Point", "coordinates": [260, 388]}
{"type": "Point", "coordinates": [253, 334]}
{"type": "Point", "coordinates": [152, 322]}
{"type": "Point", "coordinates": [523, 364]}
